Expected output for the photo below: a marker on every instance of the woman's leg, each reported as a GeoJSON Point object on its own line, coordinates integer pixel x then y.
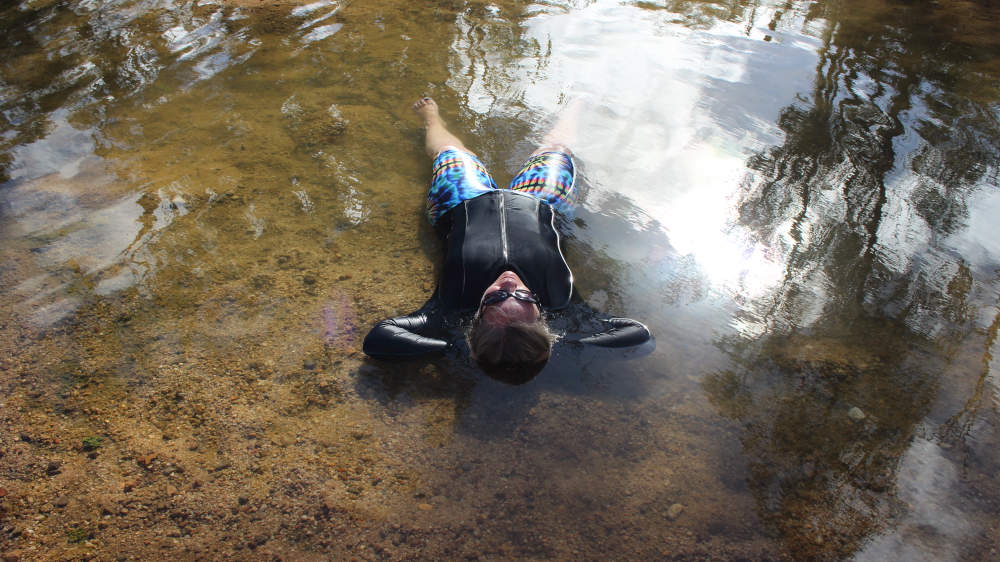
{"type": "Point", "coordinates": [437, 136]}
{"type": "Point", "coordinates": [562, 135]}
{"type": "Point", "coordinates": [458, 173]}
{"type": "Point", "coordinates": [550, 174]}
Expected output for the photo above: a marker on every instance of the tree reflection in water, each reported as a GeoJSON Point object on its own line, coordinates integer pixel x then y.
{"type": "Point", "coordinates": [876, 172]}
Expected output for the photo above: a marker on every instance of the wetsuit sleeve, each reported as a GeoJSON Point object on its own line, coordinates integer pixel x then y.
{"type": "Point", "coordinates": [622, 332]}
{"type": "Point", "coordinates": [399, 337]}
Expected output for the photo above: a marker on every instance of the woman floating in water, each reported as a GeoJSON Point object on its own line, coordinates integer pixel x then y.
{"type": "Point", "coordinates": [502, 257]}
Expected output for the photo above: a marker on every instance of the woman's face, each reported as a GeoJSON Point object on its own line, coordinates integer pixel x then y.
{"type": "Point", "coordinates": [511, 310]}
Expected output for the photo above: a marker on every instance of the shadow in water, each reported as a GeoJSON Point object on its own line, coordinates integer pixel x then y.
{"type": "Point", "coordinates": [499, 405]}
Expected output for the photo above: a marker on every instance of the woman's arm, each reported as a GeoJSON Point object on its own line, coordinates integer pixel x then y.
{"type": "Point", "coordinates": [399, 337]}
{"type": "Point", "coordinates": [623, 332]}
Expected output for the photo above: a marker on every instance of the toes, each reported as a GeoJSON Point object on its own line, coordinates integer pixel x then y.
{"type": "Point", "coordinates": [423, 102]}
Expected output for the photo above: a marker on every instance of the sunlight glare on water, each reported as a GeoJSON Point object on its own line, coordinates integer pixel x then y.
{"type": "Point", "coordinates": [680, 160]}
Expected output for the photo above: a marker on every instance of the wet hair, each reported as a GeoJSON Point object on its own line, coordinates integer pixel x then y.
{"type": "Point", "coordinates": [518, 344]}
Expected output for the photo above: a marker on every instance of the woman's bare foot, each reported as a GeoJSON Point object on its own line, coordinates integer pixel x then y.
{"type": "Point", "coordinates": [427, 109]}
{"type": "Point", "coordinates": [437, 137]}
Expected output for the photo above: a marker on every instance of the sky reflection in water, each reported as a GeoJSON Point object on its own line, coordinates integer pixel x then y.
{"type": "Point", "coordinates": [676, 112]}
{"type": "Point", "coordinates": [672, 115]}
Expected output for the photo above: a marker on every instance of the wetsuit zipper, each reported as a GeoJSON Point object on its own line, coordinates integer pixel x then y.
{"type": "Point", "coordinates": [503, 227]}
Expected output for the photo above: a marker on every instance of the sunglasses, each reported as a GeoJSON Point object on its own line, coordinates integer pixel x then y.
{"type": "Point", "coordinates": [501, 295]}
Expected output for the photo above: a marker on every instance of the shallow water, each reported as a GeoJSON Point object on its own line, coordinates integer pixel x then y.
{"type": "Point", "coordinates": [205, 205]}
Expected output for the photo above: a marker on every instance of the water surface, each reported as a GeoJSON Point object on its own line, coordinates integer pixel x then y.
{"type": "Point", "coordinates": [205, 205]}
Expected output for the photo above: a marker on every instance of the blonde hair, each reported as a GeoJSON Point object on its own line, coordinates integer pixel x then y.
{"type": "Point", "coordinates": [519, 343]}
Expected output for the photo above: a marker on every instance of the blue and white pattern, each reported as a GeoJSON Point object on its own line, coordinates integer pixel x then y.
{"type": "Point", "coordinates": [459, 175]}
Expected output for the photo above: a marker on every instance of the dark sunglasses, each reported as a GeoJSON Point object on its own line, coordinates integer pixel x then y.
{"type": "Point", "coordinates": [501, 295]}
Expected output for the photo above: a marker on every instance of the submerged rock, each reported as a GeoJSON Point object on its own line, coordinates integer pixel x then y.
{"type": "Point", "coordinates": [675, 511]}
{"type": "Point", "coordinates": [830, 358]}
{"type": "Point", "coordinates": [311, 127]}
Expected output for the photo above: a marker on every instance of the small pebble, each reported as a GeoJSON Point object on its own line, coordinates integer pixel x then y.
{"type": "Point", "coordinates": [675, 511]}
{"type": "Point", "coordinates": [856, 414]}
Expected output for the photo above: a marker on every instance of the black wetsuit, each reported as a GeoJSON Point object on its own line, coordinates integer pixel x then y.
{"type": "Point", "coordinates": [498, 231]}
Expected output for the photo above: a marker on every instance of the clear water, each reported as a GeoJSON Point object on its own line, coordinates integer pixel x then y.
{"type": "Point", "coordinates": [206, 204]}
